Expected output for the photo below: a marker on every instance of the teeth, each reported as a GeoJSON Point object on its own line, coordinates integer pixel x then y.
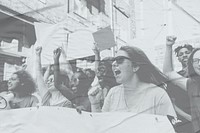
{"type": "Point", "coordinates": [117, 72]}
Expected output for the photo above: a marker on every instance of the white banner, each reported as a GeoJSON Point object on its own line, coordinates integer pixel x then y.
{"type": "Point", "coordinates": [65, 120]}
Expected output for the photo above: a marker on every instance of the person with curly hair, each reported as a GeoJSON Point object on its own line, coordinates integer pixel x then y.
{"type": "Point", "coordinates": [105, 79]}
{"type": "Point", "coordinates": [191, 85]}
{"type": "Point", "coordinates": [183, 53]}
{"type": "Point", "coordinates": [22, 85]}
{"type": "Point", "coordinates": [179, 97]}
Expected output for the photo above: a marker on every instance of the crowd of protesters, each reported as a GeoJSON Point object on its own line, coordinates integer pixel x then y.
{"type": "Point", "coordinates": [128, 82]}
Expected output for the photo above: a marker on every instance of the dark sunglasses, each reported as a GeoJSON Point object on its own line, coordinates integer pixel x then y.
{"type": "Point", "coordinates": [120, 59]}
{"type": "Point", "coordinates": [196, 60]}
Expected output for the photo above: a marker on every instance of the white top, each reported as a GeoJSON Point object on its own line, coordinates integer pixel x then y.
{"type": "Point", "coordinates": [150, 99]}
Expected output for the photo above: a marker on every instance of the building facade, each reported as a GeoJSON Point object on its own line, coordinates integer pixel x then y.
{"type": "Point", "coordinates": [18, 17]}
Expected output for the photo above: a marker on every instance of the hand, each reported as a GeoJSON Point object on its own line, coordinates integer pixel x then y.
{"type": "Point", "coordinates": [63, 53]}
{"type": "Point", "coordinates": [170, 40]}
{"type": "Point", "coordinates": [80, 108]}
{"type": "Point", "coordinates": [56, 53]}
{"type": "Point", "coordinates": [95, 95]}
{"type": "Point", "coordinates": [38, 50]}
{"type": "Point", "coordinates": [95, 49]}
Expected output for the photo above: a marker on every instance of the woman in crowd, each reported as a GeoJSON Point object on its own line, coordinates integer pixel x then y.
{"type": "Point", "coordinates": [21, 84]}
{"type": "Point", "coordinates": [50, 95]}
{"type": "Point", "coordinates": [90, 74]}
{"type": "Point", "coordinates": [140, 90]}
{"type": "Point", "coordinates": [191, 85]}
{"type": "Point", "coordinates": [78, 86]}
{"type": "Point", "coordinates": [104, 73]}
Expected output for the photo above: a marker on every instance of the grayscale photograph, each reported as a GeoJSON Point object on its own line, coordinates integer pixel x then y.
{"type": "Point", "coordinates": [100, 66]}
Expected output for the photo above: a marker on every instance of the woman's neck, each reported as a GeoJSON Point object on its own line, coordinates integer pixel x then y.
{"type": "Point", "coordinates": [18, 95]}
{"type": "Point", "coordinates": [133, 84]}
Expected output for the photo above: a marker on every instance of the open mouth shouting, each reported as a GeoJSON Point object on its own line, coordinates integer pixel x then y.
{"type": "Point", "coordinates": [184, 59]}
{"type": "Point", "coordinates": [117, 72]}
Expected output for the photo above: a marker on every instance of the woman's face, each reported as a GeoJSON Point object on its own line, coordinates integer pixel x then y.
{"type": "Point", "coordinates": [13, 82]}
{"type": "Point", "coordinates": [122, 67]}
{"type": "Point", "coordinates": [101, 72]}
{"type": "Point", "coordinates": [74, 81]}
{"type": "Point", "coordinates": [196, 62]}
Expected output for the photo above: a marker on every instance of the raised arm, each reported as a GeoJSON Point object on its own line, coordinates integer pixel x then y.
{"type": "Point", "coordinates": [65, 91]}
{"type": "Point", "coordinates": [168, 68]}
{"type": "Point", "coordinates": [47, 73]}
{"type": "Point", "coordinates": [39, 77]}
{"type": "Point", "coordinates": [97, 57]}
{"type": "Point", "coordinates": [56, 56]}
{"type": "Point", "coordinates": [67, 66]}
{"type": "Point", "coordinates": [168, 63]}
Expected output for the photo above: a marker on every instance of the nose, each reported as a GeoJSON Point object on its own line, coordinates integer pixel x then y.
{"type": "Point", "coordinates": [185, 55]}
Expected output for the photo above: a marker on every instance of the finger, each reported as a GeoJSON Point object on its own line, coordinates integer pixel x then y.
{"type": "Point", "coordinates": [92, 93]}
{"type": "Point", "coordinates": [174, 38]}
{"type": "Point", "coordinates": [95, 44]}
{"type": "Point", "coordinates": [59, 50]}
{"type": "Point", "coordinates": [79, 110]}
{"type": "Point", "coordinates": [40, 48]}
{"type": "Point", "coordinates": [54, 52]}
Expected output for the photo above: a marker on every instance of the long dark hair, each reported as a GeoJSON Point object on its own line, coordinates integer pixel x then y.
{"type": "Point", "coordinates": [26, 84]}
{"type": "Point", "coordinates": [191, 72]}
{"type": "Point", "coordinates": [147, 72]}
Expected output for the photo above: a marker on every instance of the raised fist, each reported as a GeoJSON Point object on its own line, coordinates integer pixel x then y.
{"type": "Point", "coordinates": [170, 40]}
{"type": "Point", "coordinates": [56, 53]}
{"type": "Point", "coordinates": [38, 50]}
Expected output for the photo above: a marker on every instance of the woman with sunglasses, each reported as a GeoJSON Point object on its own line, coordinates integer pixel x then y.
{"type": "Point", "coordinates": [191, 85]}
{"type": "Point", "coordinates": [140, 90]}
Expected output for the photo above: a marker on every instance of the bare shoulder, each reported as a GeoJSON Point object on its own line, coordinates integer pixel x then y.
{"type": "Point", "coordinates": [34, 99]}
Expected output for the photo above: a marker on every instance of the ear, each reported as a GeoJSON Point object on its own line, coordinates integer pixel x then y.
{"type": "Point", "coordinates": [135, 68]}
